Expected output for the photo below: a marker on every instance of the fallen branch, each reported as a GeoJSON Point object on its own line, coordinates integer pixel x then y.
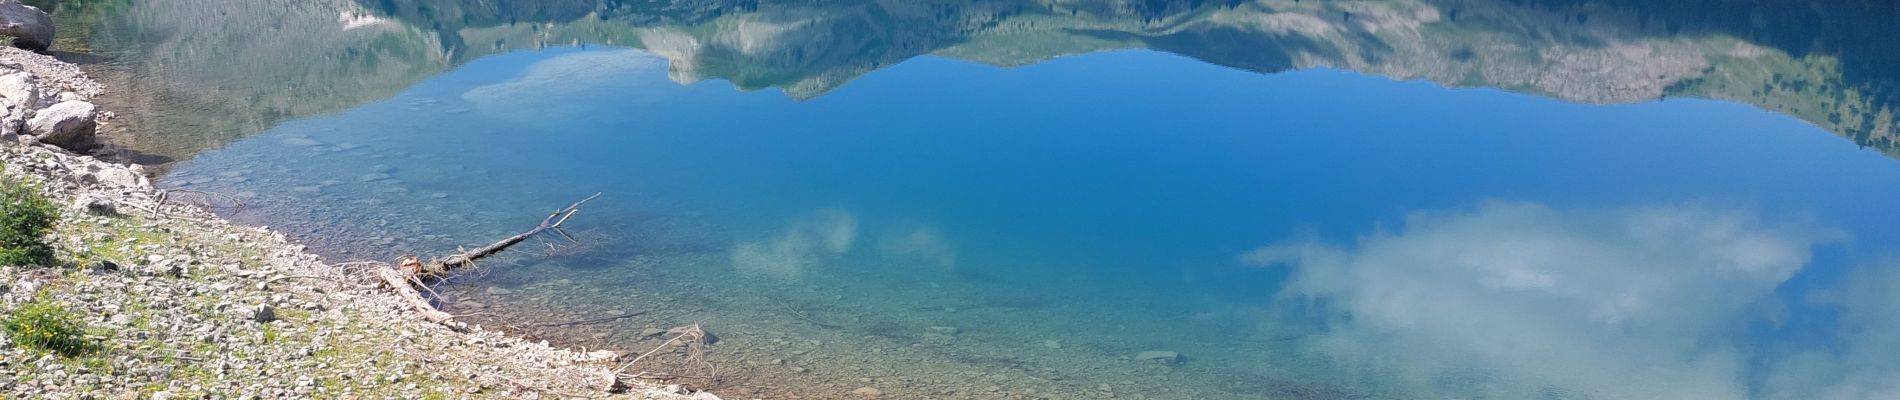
{"type": "Point", "coordinates": [411, 271]}
{"type": "Point", "coordinates": [399, 281]}
{"type": "Point", "coordinates": [553, 221]}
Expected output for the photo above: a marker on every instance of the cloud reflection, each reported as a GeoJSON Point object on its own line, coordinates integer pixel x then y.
{"type": "Point", "coordinates": [1640, 302]}
{"type": "Point", "coordinates": [919, 245]}
{"type": "Point", "coordinates": [809, 240]}
{"type": "Point", "coordinates": [545, 89]}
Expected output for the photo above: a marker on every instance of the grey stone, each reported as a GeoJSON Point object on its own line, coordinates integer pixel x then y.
{"type": "Point", "coordinates": [11, 126]}
{"type": "Point", "coordinates": [30, 28]}
{"type": "Point", "coordinates": [265, 313]}
{"type": "Point", "coordinates": [69, 125]}
{"type": "Point", "coordinates": [96, 205]}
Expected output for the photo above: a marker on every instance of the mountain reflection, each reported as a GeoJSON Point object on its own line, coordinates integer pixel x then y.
{"type": "Point", "coordinates": [247, 66]}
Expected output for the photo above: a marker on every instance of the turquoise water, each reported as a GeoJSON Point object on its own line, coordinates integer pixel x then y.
{"type": "Point", "coordinates": [944, 229]}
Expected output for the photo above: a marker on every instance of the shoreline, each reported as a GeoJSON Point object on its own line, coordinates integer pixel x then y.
{"type": "Point", "coordinates": [184, 304]}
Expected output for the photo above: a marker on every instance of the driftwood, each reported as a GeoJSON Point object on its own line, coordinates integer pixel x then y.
{"type": "Point", "coordinates": [411, 272]}
{"type": "Point", "coordinates": [695, 339]}
{"type": "Point", "coordinates": [593, 320]}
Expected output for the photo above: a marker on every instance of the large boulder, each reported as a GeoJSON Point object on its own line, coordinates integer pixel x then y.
{"type": "Point", "coordinates": [30, 28]}
{"type": "Point", "coordinates": [70, 125]}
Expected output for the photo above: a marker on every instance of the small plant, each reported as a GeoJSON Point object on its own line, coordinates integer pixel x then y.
{"type": "Point", "coordinates": [25, 218]}
{"type": "Point", "coordinates": [43, 325]}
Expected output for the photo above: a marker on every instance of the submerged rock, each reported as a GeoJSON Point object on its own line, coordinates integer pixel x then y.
{"type": "Point", "coordinates": [30, 28]}
{"type": "Point", "coordinates": [302, 141]}
{"type": "Point", "coordinates": [1159, 356]}
{"type": "Point", "coordinates": [705, 336]}
{"type": "Point", "coordinates": [69, 125]}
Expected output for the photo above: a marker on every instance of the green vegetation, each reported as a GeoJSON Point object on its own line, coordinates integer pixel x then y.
{"type": "Point", "coordinates": [25, 218]}
{"type": "Point", "coordinates": [44, 325]}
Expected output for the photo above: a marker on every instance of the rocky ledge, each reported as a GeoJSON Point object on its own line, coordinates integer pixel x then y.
{"type": "Point", "coordinates": [178, 303]}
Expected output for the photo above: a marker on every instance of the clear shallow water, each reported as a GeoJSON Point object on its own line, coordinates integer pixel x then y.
{"type": "Point", "coordinates": [1310, 234]}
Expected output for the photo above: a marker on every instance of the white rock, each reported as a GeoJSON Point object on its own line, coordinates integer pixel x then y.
{"type": "Point", "coordinates": [20, 89]}
{"type": "Point", "coordinates": [69, 125]}
{"type": "Point", "coordinates": [122, 177]}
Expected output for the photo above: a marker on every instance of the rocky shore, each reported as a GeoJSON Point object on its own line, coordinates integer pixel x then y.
{"type": "Point", "coordinates": [177, 303]}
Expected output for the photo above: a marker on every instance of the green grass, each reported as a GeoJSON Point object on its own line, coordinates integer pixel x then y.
{"type": "Point", "coordinates": [25, 219]}
{"type": "Point", "coordinates": [46, 326]}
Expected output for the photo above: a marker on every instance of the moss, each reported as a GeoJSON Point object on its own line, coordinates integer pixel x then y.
{"type": "Point", "coordinates": [25, 219]}
{"type": "Point", "coordinates": [44, 325]}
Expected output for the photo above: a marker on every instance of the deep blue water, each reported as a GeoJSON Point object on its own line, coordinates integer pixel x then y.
{"type": "Point", "coordinates": [1307, 234]}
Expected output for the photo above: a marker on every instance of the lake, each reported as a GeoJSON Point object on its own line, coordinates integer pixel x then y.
{"type": "Point", "coordinates": [1081, 199]}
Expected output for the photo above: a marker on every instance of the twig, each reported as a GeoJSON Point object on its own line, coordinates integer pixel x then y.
{"type": "Point", "coordinates": [237, 204]}
{"type": "Point", "coordinates": [593, 321]}
{"type": "Point", "coordinates": [694, 331]}
{"type": "Point", "coordinates": [267, 282]}
{"type": "Point", "coordinates": [656, 349]}
{"type": "Point", "coordinates": [781, 303]}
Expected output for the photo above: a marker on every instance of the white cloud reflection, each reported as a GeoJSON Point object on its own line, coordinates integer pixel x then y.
{"type": "Point", "coordinates": [820, 236]}
{"type": "Point", "coordinates": [1864, 363]}
{"type": "Point", "coordinates": [1629, 303]}
{"type": "Point", "coordinates": [918, 244]}
{"type": "Point", "coordinates": [545, 89]}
